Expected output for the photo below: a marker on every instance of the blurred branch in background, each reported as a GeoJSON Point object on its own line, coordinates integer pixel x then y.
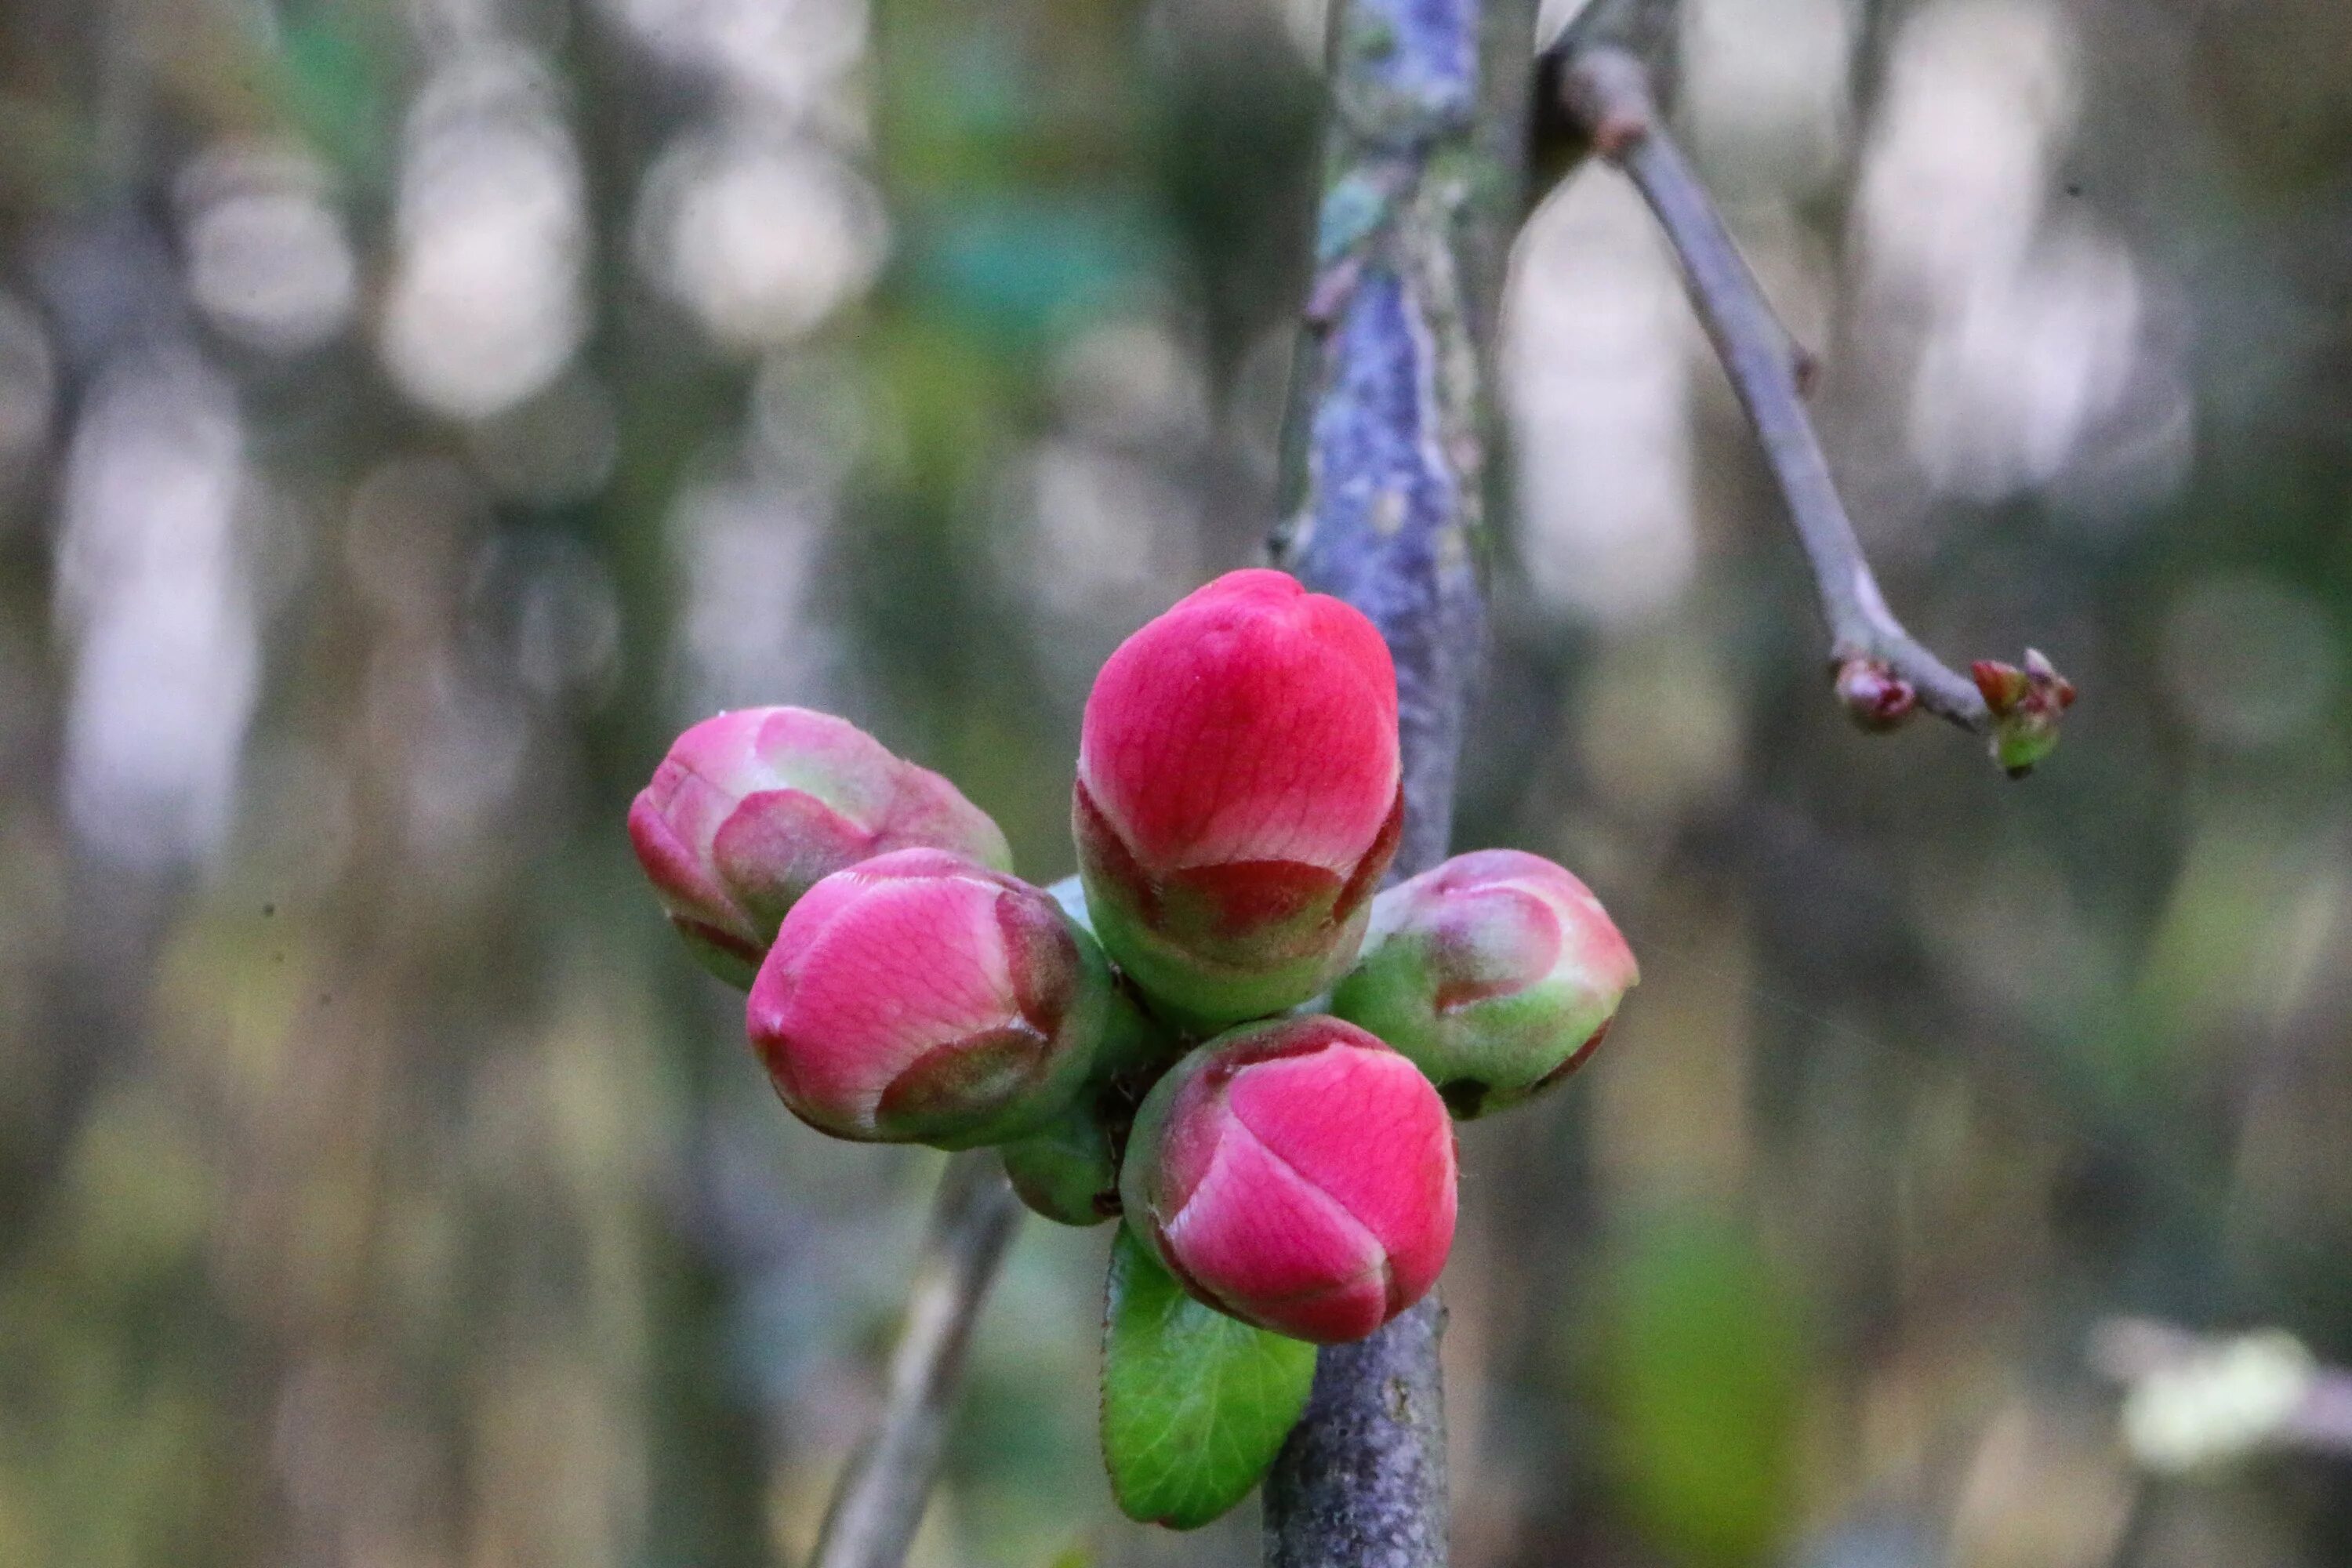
{"type": "Point", "coordinates": [879, 1501]}
{"type": "Point", "coordinates": [1881, 670]}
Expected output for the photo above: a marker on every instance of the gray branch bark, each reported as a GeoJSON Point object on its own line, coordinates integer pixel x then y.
{"type": "Point", "coordinates": [1385, 506]}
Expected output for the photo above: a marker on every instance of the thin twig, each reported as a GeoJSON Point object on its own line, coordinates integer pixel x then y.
{"type": "Point", "coordinates": [1643, 29]}
{"type": "Point", "coordinates": [1609, 91]}
{"type": "Point", "coordinates": [1881, 668]}
{"type": "Point", "coordinates": [881, 1496]}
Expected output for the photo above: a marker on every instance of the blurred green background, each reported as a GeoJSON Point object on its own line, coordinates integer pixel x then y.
{"type": "Point", "coordinates": [413, 412]}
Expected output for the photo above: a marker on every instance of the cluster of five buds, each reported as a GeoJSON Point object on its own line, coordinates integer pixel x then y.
{"type": "Point", "coordinates": [1217, 1029]}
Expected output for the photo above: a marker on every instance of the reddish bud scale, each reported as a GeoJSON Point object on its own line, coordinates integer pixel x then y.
{"type": "Point", "coordinates": [753, 808]}
{"type": "Point", "coordinates": [1238, 796]}
{"type": "Point", "coordinates": [1875, 697]}
{"type": "Point", "coordinates": [2002, 685]}
{"type": "Point", "coordinates": [1297, 1174]}
{"type": "Point", "coordinates": [921, 998]}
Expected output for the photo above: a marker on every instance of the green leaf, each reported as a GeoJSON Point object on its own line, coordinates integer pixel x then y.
{"type": "Point", "coordinates": [1194, 1403]}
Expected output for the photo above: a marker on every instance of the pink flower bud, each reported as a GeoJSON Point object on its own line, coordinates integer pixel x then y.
{"type": "Point", "coordinates": [1297, 1174]}
{"type": "Point", "coordinates": [920, 997]}
{"type": "Point", "coordinates": [751, 808]}
{"type": "Point", "coordinates": [1497, 974]}
{"type": "Point", "coordinates": [1238, 796]}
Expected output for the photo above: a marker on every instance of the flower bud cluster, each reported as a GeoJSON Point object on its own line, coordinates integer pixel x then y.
{"type": "Point", "coordinates": [1218, 1029]}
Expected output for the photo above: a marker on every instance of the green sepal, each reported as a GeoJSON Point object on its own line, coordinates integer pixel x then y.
{"type": "Point", "coordinates": [1068, 1173]}
{"type": "Point", "coordinates": [1204, 996]}
{"type": "Point", "coordinates": [1194, 1404]}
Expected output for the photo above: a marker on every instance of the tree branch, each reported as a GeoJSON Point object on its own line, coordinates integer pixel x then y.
{"type": "Point", "coordinates": [1880, 669]}
{"type": "Point", "coordinates": [880, 1498]}
{"type": "Point", "coordinates": [1384, 505]}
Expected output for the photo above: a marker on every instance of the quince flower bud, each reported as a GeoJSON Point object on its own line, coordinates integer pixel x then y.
{"type": "Point", "coordinates": [751, 808]}
{"type": "Point", "coordinates": [1296, 1174]}
{"type": "Point", "coordinates": [1069, 1172]}
{"type": "Point", "coordinates": [1497, 974]}
{"type": "Point", "coordinates": [922, 997]}
{"type": "Point", "coordinates": [1238, 796]}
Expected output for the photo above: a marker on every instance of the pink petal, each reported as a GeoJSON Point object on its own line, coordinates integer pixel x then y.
{"type": "Point", "coordinates": [1364, 1127]}
{"type": "Point", "coordinates": [779, 842]}
{"type": "Point", "coordinates": [1275, 1250]}
{"type": "Point", "coordinates": [869, 972]}
{"type": "Point", "coordinates": [1493, 942]}
{"type": "Point", "coordinates": [676, 866]}
{"type": "Point", "coordinates": [1252, 722]}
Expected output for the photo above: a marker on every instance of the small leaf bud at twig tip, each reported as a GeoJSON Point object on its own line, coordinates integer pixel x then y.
{"type": "Point", "coordinates": [2003, 685]}
{"type": "Point", "coordinates": [2044, 676]}
{"type": "Point", "coordinates": [1875, 697]}
{"type": "Point", "coordinates": [1608, 90]}
{"type": "Point", "coordinates": [2025, 706]}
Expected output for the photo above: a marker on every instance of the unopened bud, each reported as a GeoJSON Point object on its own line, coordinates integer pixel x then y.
{"type": "Point", "coordinates": [753, 808]}
{"type": "Point", "coordinates": [1069, 1172]}
{"type": "Point", "coordinates": [1297, 1174]}
{"type": "Point", "coordinates": [921, 998]}
{"type": "Point", "coordinates": [2026, 705]}
{"type": "Point", "coordinates": [1238, 796]}
{"type": "Point", "coordinates": [1497, 974]}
